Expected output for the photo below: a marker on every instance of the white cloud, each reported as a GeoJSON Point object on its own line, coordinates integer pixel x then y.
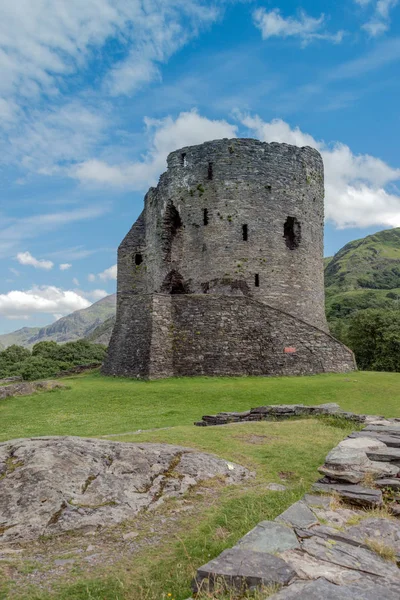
{"type": "Point", "coordinates": [355, 185]}
{"type": "Point", "coordinates": [166, 135]}
{"type": "Point", "coordinates": [65, 266]}
{"type": "Point", "coordinates": [379, 21]}
{"type": "Point", "coordinates": [91, 277]}
{"type": "Point", "coordinates": [75, 281]}
{"type": "Point", "coordinates": [26, 258]}
{"type": "Point", "coordinates": [273, 24]}
{"type": "Point", "coordinates": [44, 299]}
{"type": "Point", "coordinates": [110, 273]}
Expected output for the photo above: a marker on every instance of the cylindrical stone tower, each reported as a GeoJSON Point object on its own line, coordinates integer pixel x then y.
{"type": "Point", "coordinates": [222, 273]}
{"type": "Point", "coordinates": [237, 217]}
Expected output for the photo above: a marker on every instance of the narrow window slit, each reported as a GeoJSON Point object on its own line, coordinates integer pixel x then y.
{"type": "Point", "coordinates": [138, 259]}
{"type": "Point", "coordinates": [257, 280]}
{"type": "Point", "coordinates": [183, 159]}
{"type": "Point", "coordinates": [210, 171]}
{"type": "Point", "coordinates": [205, 216]}
{"type": "Point", "coordinates": [245, 233]}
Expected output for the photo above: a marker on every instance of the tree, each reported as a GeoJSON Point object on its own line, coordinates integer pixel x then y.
{"type": "Point", "coordinates": [374, 337]}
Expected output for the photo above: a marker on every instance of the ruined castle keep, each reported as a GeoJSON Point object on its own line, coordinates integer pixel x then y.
{"type": "Point", "coordinates": [222, 273]}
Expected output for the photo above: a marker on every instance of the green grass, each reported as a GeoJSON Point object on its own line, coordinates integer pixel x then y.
{"type": "Point", "coordinates": [96, 405]}
{"type": "Point", "coordinates": [288, 452]}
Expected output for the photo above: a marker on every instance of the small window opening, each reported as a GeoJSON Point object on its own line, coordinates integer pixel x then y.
{"type": "Point", "coordinates": [183, 159]}
{"type": "Point", "coordinates": [205, 216]}
{"type": "Point", "coordinates": [210, 171]}
{"type": "Point", "coordinates": [138, 259]}
{"type": "Point", "coordinates": [292, 233]}
{"type": "Point", "coordinates": [257, 280]}
{"type": "Point", "coordinates": [245, 233]}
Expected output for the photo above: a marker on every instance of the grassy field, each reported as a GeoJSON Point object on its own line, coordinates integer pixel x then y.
{"type": "Point", "coordinates": [95, 405]}
{"type": "Point", "coordinates": [287, 452]}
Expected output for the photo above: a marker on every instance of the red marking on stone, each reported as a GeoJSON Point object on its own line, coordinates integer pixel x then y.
{"type": "Point", "coordinates": [290, 350]}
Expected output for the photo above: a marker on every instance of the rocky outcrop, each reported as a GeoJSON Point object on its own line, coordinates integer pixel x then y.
{"type": "Point", "coordinates": [26, 388]}
{"type": "Point", "coordinates": [55, 484]}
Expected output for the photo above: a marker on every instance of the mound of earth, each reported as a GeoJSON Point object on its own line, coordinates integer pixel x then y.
{"type": "Point", "coordinates": [56, 484]}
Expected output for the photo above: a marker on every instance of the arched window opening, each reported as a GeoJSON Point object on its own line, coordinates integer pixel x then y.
{"type": "Point", "coordinates": [257, 280]}
{"type": "Point", "coordinates": [210, 171]}
{"type": "Point", "coordinates": [245, 233]}
{"type": "Point", "coordinates": [174, 284]}
{"type": "Point", "coordinates": [205, 216]}
{"type": "Point", "coordinates": [138, 259]}
{"type": "Point", "coordinates": [171, 224]}
{"type": "Point", "coordinates": [292, 233]}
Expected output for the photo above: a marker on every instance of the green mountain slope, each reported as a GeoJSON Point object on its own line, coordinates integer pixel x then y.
{"type": "Point", "coordinates": [364, 274]}
{"type": "Point", "coordinates": [78, 324]}
{"type": "Point", "coordinates": [102, 333]}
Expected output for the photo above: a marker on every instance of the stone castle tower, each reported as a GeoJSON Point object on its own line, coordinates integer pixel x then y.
{"type": "Point", "coordinates": [222, 273]}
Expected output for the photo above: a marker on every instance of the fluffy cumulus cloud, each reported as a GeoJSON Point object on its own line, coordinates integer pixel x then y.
{"type": "Point", "coordinates": [166, 135]}
{"type": "Point", "coordinates": [65, 266]}
{"type": "Point", "coordinates": [356, 185]}
{"type": "Point", "coordinates": [18, 304]}
{"type": "Point", "coordinates": [96, 295]}
{"type": "Point", "coordinates": [110, 273]}
{"type": "Point", "coordinates": [26, 258]}
{"type": "Point", "coordinates": [379, 18]}
{"type": "Point", "coordinates": [272, 24]}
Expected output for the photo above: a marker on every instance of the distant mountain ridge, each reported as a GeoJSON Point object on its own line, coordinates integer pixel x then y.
{"type": "Point", "coordinates": [77, 325]}
{"type": "Point", "coordinates": [364, 274]}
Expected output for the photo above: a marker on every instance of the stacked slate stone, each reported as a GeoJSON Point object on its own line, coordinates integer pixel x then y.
{"type": "Point", "coordinates": [371, 455]}
{"type": "Point", "coordinates": [309, 560]}
{"type": "Point", "coordinates": [319, 547]}
{"type": "Point", "coordinates": [281, 411]}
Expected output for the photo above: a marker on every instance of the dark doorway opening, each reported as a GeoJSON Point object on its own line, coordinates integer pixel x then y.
{"type": "Point", "coordinates": [171, 225]}
{"type": "Point", "coordinates": [138, 259]}
{"type": "Point", "coordinates": [174, 284]}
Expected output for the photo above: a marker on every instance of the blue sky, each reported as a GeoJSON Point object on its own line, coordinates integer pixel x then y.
{"type": "Point", "coordinates": [94, 94]}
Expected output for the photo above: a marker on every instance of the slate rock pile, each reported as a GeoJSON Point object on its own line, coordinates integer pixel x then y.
{"type": "Point", "coordinates": [55, 484]}
{"type": "Point", "coordinates": [311, 552]}
{"type": "Point", "coordinates": [321, 547]}
{"type": "Point", "coordinates": [280, 412]}
{"type": "Point", "coordinates": [366, 464]}
{"type": "Point", "coordinates": [26, 388]}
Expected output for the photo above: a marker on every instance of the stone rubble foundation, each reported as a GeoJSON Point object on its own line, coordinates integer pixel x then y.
{"type": "Point", "coordinates": [327, 545]}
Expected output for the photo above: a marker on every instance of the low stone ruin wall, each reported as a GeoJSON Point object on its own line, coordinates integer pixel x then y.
{"type": "Point", "coordinates": [282, 411]}
{"type": "Point", "coordinates": [26, 388]}
{"type": "Point", "coordinates": [323, 546]}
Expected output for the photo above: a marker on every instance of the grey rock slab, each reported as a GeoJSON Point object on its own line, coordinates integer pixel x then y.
{"type": "Point", "coordinates": [270, 537]}
{"type": "Point", "coordinates": [387, 429]}
{"type": "Point", "coordinates": [352, 464]}
{"type": "Point", "coordinates": [385, 531]}
{"type": "Point", "coordinates": [389, 440]}
{"type": "Point", "coordinates": [321, 589]}
{"type": "Point", "coordinates": [298, 515]}
{"type": "Point", "coordinates": [363, 443]}
{"type": "Point", "coordinates": [242, 569]}
{"type": "Point", "coordinates": [56, 484]}
{"type": "Point", "coordinates": [393, 483]}
{"type": "Point", "coordinates": [351, 557]}
{"type": "Point", "coordinates": [384, 454]}
{"type": "Point", "coordinates": [356, 494]}
{"type": "Point", "coordinates": [336, 517]}
{"type": "Point", "coordinates": [314, 501]}
{"type": "Point", "coordinates": [330, 533]}
{"type": "Point", "coordinates": [276, 487]}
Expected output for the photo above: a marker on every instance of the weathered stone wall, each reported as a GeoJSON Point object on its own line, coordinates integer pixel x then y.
{"type": "Point", "coordinates": [233, 230]}
{"type": "Point", "coordinates": [191, 230]}
{"type": "Point", "coordinates": [221, 335]}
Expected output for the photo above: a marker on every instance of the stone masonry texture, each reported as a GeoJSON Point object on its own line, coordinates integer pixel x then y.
{"type": "Point", "coordinates": [222, 273]}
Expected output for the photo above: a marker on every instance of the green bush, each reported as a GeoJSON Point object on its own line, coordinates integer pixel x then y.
{"type": "Point", "coordinates": [49, 358]}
